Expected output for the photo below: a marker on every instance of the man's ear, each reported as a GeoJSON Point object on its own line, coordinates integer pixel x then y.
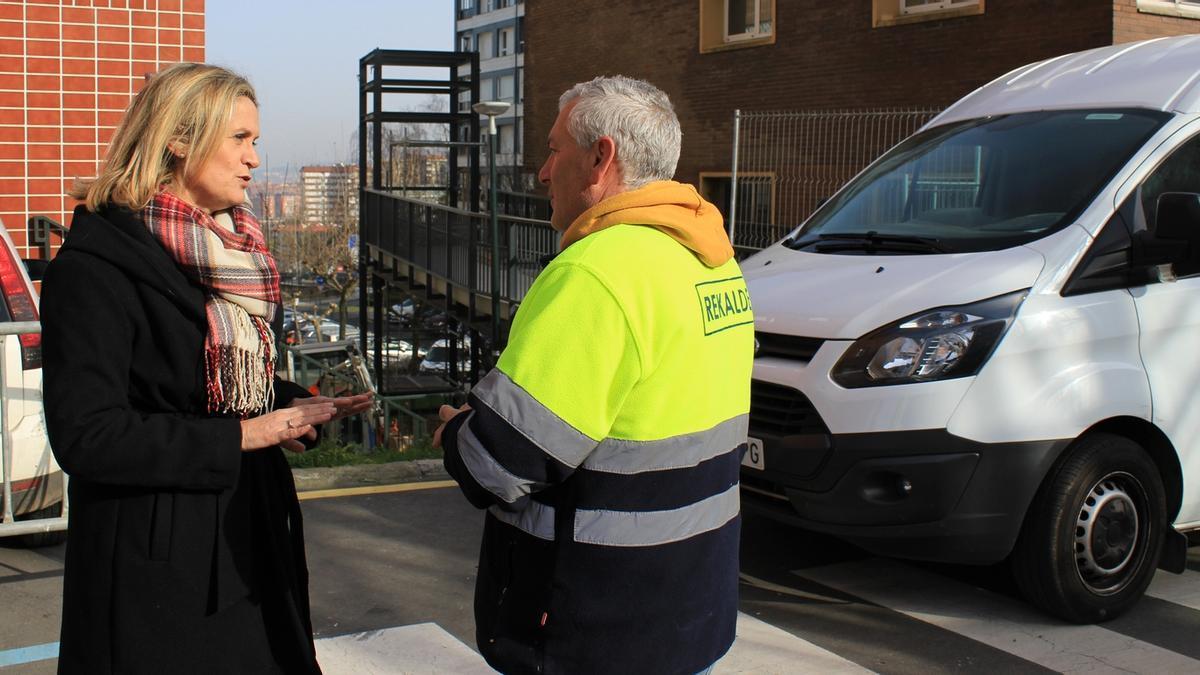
{"type": "Point", "coordinates": [604, 159]}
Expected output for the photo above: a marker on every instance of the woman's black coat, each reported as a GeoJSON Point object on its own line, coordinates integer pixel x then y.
{"type": "Point", "coordinates": [179, 543]}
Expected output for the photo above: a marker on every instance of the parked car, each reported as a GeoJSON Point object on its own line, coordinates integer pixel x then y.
{"type": "Point", "coordinates": [437, 358]}
{"type": "Point", "coordinates": [403, 310]}
{"type": "Point", "coordinates": [982, 348]}
{"type": "Point", "coordinates": [325, 331]}
{"type": "Point", "coordinates": [36, 481]}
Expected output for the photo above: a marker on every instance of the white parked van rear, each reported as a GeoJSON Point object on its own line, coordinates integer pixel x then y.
{"type": "Point", "coordinates": [983, 347]}
{"type": "Point", "coordinates": [31, 481]}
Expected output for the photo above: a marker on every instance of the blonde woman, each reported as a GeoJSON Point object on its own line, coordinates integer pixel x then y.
{"type": "Point", "coordinates": [185, 550]}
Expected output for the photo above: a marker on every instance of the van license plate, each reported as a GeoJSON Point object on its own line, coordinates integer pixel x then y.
{"type": "Point", "coordinates": [754, 455]}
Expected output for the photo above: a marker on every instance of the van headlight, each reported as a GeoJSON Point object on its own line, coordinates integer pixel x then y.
{"type": "Point", "coordinates": [938, 344]}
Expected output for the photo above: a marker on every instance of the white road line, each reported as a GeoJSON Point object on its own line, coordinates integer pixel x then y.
{"type": "Point", "coordinates": [420, 648]}
{"type": "Point", "coordinates": [763, 648]}
{"type": "Point", "coordinates": [1004, 623]}
{"type": "Point", "coordinates": [427, 648]}
{"type": "Point", "coordinates": [1181, 589]}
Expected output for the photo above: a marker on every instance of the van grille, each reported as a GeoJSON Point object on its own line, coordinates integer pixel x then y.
{"type": "Point", "coordinates": [782, 411]}
{"type": "Point", "coordinates": [791, 347]}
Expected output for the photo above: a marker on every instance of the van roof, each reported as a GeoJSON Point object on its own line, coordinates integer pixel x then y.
{"type": "Point", "coordinates": [1159, 74]}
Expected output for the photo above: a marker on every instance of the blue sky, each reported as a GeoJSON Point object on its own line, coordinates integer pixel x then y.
{"type": "Point", "coordinates": [302, 57]}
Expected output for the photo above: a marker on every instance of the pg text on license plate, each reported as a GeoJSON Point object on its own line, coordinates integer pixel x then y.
{"type": "Point", "coordinates": [754, 454]}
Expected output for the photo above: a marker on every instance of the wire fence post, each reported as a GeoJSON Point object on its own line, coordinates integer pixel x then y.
{"type": "Point", "coordinates": [737, 123]}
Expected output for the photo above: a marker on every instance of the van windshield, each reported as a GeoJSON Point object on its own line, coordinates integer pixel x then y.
{"type": "Point", "coordinates": [980, 185]}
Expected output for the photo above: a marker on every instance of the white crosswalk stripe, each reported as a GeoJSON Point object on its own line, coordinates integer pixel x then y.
{"type": "Point", "coordinates": [763, 648]}
{"type": "Point", "coordinates": [426, 648]}
{"type": "Point", "coordinates": [417, 649]}
{"type": "Point", "coordinates": [1004, 623]}
{"type": "Point", "coordinates": [1181, 589]}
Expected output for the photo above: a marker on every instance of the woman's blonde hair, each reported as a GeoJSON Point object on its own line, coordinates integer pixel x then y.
{"type": "Point", "coordinates": [182, 111]}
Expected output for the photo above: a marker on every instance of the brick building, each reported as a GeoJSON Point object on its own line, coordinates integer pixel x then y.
{"type": "Point", "coordinates": [809, 55]}
{"type": "Point", "coordinates": [68, 69]}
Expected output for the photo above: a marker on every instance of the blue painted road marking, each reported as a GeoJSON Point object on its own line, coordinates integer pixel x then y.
{"type": "Point", "coordinates": [15, 657]}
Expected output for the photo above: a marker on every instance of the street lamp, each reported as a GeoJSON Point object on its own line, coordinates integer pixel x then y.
{"type": "Point", "coordinates": [492, 109]}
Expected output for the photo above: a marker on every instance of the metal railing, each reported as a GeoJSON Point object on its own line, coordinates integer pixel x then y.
{"type": "Point", "coordinates": [9, 526]}
{"type": "Point", "coordinates": [344, 372]}
{"type": "Point", "coordinates": [395, 411]}
{"type": "Point", "coordinates": [455, 244]}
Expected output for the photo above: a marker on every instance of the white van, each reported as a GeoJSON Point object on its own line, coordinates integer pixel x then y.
{"type": "Point", "coordinates": [31, 481]}
{"type": "Point", "coordinates": [986, 346]}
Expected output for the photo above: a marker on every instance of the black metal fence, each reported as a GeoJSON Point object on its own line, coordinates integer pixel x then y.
{"type": "Point", "coordinates": [456, 245]}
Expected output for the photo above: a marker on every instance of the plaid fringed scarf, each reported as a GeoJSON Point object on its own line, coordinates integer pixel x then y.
{"type": "Point", "coordinates": [231, 263]}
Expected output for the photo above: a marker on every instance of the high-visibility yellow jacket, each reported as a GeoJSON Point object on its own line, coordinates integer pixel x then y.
{"type": "Point", "coordinates": [605, 446]}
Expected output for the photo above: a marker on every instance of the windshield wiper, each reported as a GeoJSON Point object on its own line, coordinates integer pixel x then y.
{"type": "Point", "coordinates": [869, 242]}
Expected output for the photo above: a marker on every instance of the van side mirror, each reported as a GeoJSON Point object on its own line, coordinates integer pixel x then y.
{"type": "Point", "coordinates": [1178, 216]}
{"type": "Point", "coordinates": [1176, 237]}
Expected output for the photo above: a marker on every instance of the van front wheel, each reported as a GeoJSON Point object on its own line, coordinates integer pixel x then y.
{"type": "Point", "coordinates": [1091, 540]}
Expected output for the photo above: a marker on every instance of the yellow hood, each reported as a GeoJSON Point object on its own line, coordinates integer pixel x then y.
{"type": "Point", "coordinates": [670, 207]}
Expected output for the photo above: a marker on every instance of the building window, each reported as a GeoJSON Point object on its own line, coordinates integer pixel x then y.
{"type": "Point", "coordinates": [899, 12]}
{"type": "Point", "coordinates": [736, 24]}
{"type": "Point", "coordinates": [918, 6]}
{"type": "Point", "coordinates": [464, 42]}
{"type": "Point", "coordinates": [1189, 9]}
{"type": "Point", "coordinates": [484, 44]}
{"type": "Point", "coordinates": [747, 19]}
{"type": "Point", "coordinates": [505, 46]}
{"type": "Point", "coordinates": [507, 138]}
{"type": "Point", "coordinates": [506, 88]}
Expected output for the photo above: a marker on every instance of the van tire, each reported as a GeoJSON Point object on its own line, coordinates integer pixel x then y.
{"type": "Point", "coordinates": [1091, 539]}
{"type": "Point", "coordinates": [41, 539]}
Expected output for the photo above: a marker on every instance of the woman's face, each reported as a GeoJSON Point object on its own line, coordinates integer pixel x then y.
{"type": "Point", "coordinates": [221, 181]}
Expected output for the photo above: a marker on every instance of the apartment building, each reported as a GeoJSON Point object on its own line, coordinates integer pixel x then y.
{"type": "Point", "coordinates": [68, 69]}
{"type": "Point", "coordinates": [496, 29]}
{"type": "Point", "coordinates": [329, 194]}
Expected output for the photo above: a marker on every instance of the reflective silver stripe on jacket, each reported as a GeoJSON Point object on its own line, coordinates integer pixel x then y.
{"type": "Point", "coordinates": [536, 519]}
{"type": "Point", "coordinates": [535, 421]}
{"type": "Point", "coordinates": [677, 452]}
{"type": "Point", "coordinates": [630, 528]}
{"type": "Point", "coordinates": [489, 473]}
{"type": "Point", "coordinates": [650, 528]}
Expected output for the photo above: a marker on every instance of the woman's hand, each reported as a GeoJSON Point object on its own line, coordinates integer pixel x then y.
{"type": "Point", "coordinates": [345, 405]}
{"type": "Point", "coordinates": [283, 427]}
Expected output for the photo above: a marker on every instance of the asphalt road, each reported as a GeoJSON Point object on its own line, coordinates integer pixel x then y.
{"type": "Point", "coordinates": [404, 559]}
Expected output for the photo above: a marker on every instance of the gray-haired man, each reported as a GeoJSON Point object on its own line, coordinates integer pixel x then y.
{"type": "Point", "coordinates": [605, 445]}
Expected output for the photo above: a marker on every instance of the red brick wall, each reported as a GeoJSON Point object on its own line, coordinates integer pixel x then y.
{"type": "Point", "coordinates": [826, 56]}
{"type": "Point", "coordinates": [1130, 25]}
{"type": "Point", "coordinates": [67, 71]}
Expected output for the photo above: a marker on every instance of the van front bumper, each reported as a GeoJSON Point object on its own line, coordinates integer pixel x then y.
{"type": "Point", "coordinates": [927, 495]}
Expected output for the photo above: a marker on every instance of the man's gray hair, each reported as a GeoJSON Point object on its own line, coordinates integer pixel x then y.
{"type": "Point", "coordinates": [638, 117]}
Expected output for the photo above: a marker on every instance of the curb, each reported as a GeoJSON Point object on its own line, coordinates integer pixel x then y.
{"type": "Point", "coordinates": [359, 475]}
